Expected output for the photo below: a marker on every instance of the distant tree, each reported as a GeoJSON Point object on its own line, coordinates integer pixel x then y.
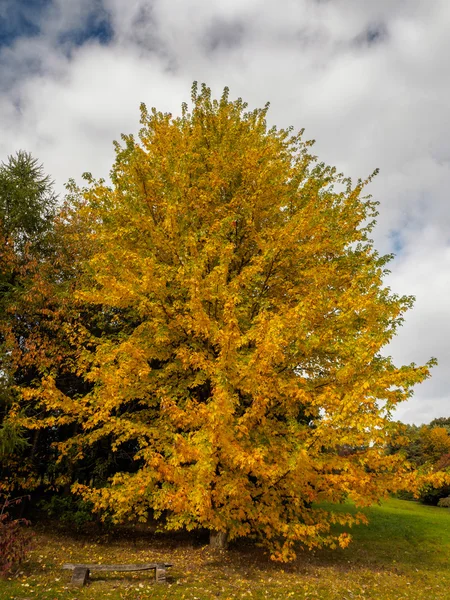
{"type": "Point", "coordinates": [435, 443]}
{"type": "Point", "coordinates": [441, 422]}
{"type": "Point", "coordinates": [245, 314]}
{"type": "Point", "coordinates": [427, 448]}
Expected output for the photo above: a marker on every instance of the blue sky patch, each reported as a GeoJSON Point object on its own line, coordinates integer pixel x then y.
{"type": "Point", "coordinates": [396, 239]}
{"type": "Point", "coordinates": [97, 27]}
{"type": "Point", "coordinates": [21, 18]}
{"type": "Point", "coordinates": [24, 18]}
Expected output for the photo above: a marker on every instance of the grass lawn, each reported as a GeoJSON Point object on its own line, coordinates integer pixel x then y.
{"type": "Point", "coordinates": [403, 553]}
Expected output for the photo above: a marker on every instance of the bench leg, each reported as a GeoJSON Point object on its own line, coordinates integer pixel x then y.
{"type": "Point", "coordinates": [160, 574]}
{"type": "Point", "coordinates": [80, 576]}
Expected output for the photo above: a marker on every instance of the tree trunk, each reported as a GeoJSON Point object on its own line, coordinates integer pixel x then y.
{"type": "Point", "coordinates": [218, 540]}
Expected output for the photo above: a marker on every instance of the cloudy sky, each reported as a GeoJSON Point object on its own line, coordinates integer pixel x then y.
{"type": "Point", "coordinates": [368, 80]}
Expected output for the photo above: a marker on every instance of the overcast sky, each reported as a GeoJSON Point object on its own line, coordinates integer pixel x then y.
{"type": "Point", "coordinates": [369, 80]}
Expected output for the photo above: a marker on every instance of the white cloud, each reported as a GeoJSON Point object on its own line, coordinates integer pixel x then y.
{"type": "Point", "coordinates": [423, 270]}
{"type": "Point", "coordinates": [368, 80]}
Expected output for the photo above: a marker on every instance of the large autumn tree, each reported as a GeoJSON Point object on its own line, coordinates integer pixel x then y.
{"type": "Point", "coordinates": [247, 314]}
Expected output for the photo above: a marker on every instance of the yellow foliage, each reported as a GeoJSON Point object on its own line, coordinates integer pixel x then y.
{"type": "Point", "coordinates": [244, 368]}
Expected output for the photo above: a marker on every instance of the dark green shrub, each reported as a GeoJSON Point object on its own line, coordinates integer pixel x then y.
{"type": "Point", "coordinates": [432, 495]}
{"type": "Point", "coordinates": [69, 510]}
{"type": "Point", "coordinates": [404, 495]}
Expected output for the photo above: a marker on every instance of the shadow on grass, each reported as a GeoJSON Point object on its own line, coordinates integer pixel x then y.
{"type": "Point", "coordinates": [401, 536]}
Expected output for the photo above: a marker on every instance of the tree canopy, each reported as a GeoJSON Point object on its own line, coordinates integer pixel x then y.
{"type": "Point", "coordinates": [236, 348]}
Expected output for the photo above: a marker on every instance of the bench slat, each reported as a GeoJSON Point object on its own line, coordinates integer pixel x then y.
{"type": "Point", "coordinates": [123, 568]}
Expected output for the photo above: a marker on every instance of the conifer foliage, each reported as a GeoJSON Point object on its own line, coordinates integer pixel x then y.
{"type": "Point", "coordinates": [241, 366]}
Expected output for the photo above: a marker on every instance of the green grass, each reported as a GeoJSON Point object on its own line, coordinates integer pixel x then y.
{"type": "Point", "coordinates": [403, 554]}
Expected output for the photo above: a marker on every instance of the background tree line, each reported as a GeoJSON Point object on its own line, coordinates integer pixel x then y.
{"type": "Point", "coordinates": [427, 448]}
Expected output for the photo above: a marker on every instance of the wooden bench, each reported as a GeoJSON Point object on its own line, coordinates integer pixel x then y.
{"type": "Point", "coordinates": [81, 572]}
